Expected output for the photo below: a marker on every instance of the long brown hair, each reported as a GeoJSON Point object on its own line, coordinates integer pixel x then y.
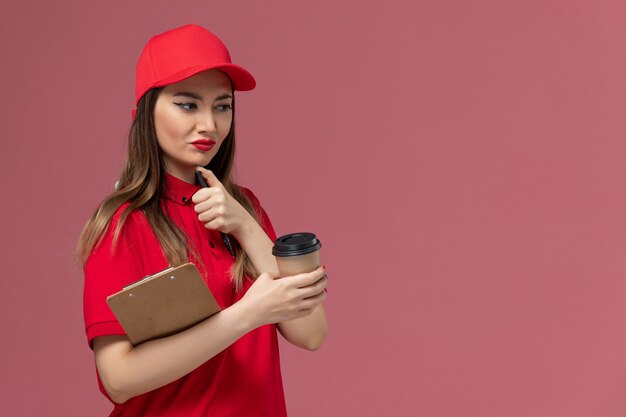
{"type": "Point", "coordinates": [142, 185]}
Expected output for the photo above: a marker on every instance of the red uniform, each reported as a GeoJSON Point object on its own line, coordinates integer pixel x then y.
{"type": "Point", "coordinates": [242, 380]}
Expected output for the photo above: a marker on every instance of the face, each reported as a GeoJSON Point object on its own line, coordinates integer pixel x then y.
{"type": "Point", "coordinates": [192, 118]}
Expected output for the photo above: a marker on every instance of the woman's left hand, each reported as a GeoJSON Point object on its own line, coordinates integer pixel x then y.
{"type": "Point", "coordinates": [216, 208]}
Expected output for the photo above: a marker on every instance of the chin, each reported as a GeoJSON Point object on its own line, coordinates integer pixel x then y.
{"type": "Point", "coordinates": [191, 159]}
{"type": "Point", "coordinates": [204, 162]}
{"type": "Point", "coordinates": [201, 160]}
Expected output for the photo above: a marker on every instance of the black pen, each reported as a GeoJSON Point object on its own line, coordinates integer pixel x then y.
{"type": "Point", "coordinates": [225, 237]}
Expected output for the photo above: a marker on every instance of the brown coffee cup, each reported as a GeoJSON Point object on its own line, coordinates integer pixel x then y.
{"type": "Point", "coordinates": [297, 253]}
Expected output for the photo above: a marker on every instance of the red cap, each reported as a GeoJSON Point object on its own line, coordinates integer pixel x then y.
{"type": "Point", "coordinates": [179, 53]}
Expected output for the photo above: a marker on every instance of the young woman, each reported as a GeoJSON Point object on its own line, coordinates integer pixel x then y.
{"type": "Point", "coordinates": [227, 365]}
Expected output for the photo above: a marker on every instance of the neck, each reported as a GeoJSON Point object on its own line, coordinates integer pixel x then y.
{"type": "Point", "coordinates": [185, 174]}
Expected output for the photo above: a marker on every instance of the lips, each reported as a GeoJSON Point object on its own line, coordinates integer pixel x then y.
{"type": "Point", "coordinates": [203, 144]}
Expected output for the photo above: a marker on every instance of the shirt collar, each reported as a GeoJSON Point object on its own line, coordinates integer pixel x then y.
{"type": "Point", "coordinates": [178, 190]}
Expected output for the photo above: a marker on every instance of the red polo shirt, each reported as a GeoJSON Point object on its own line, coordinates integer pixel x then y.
{"type": "Point", "coordinates": [245, 378]}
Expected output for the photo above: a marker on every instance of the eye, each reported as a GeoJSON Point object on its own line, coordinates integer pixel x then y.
{"type": "Point", "coordinates": [187, 106]}
{"type": "Point", "coordinates": [223, 107]}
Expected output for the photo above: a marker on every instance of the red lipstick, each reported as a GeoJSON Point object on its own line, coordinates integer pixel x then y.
{"type": "Point", "coordinates": [203, 144]}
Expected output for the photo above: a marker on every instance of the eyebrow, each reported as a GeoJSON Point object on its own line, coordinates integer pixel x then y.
{"type": "Point", "coordinates": [197, 97]}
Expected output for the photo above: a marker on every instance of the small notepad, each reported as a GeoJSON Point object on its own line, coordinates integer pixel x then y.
{"type": "Point", "coordinates": [163, 304]}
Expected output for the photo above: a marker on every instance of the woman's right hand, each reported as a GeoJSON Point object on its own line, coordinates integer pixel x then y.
{"type": "Point", "coordinates": [273, 300]}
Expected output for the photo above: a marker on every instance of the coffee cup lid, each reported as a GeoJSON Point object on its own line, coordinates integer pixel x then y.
{"type": "Point", "coordinates": [296, 244]}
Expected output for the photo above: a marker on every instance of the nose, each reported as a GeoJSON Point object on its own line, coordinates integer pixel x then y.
{"type": "Point", "coordinates": [205, 123]}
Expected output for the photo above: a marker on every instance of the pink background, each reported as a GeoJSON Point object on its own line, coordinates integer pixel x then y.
{"type": "Point", "coordinates": [463, 163]}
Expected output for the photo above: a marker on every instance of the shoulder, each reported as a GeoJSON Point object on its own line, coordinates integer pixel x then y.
{"type": "Point", "coordinates": [251, 196]}
{"type": "Point", "coordinates": [123, 208]}
{"type": "Point", "coordinates": [248, 192]}
{"type": "Point", "coordinates": [123, 226]}
{"type": "Point", "coordinates": [130, 219]}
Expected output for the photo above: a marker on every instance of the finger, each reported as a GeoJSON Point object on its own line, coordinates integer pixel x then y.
{"type": "Point", "coordinates": [319, 296]}
{"type": "Point", "coordinates": [216, 210]}
{"type": "Point", "coordinates": [300, 280]}
{"type": "Point", "coordinates": [322, 278]}
{"type": "Point", "coordinates": [312, 302]}
{"type": "Point", "coordinates": [305, 279]}
{"type": "Point", "coordinates": [315, 276]}
{"type": "Point", "coordinates": [204, 194]}
{"type": "Point", "coordinates": [314, 289]}
{"type": "Point", "coordinates": [213, 199]}
{"type": "Point", "coordinates": [269, 275]}
{"type": "Point", "coordinates": [210, 177]}
{"type": "Point", "coordinates": [216, 224]}
{"type": "Point", "coordinates": [208, 216]}
{"type": "Point", "coordinates": [266, 276]}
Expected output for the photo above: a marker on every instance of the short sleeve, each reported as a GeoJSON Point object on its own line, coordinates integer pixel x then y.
{"type": "Point", "coordinates": [264, 219]}
{"type": "Point", "coordinates": [108, 269]}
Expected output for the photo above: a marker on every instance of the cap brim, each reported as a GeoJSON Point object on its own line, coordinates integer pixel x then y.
{"type": "Point", "coordinates": [241, 79]}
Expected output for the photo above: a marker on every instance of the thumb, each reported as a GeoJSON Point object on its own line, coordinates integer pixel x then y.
{"type": "Point", "coordinates": [269, 276]}
{"type": "Point", "coordinates": [210, 177]}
